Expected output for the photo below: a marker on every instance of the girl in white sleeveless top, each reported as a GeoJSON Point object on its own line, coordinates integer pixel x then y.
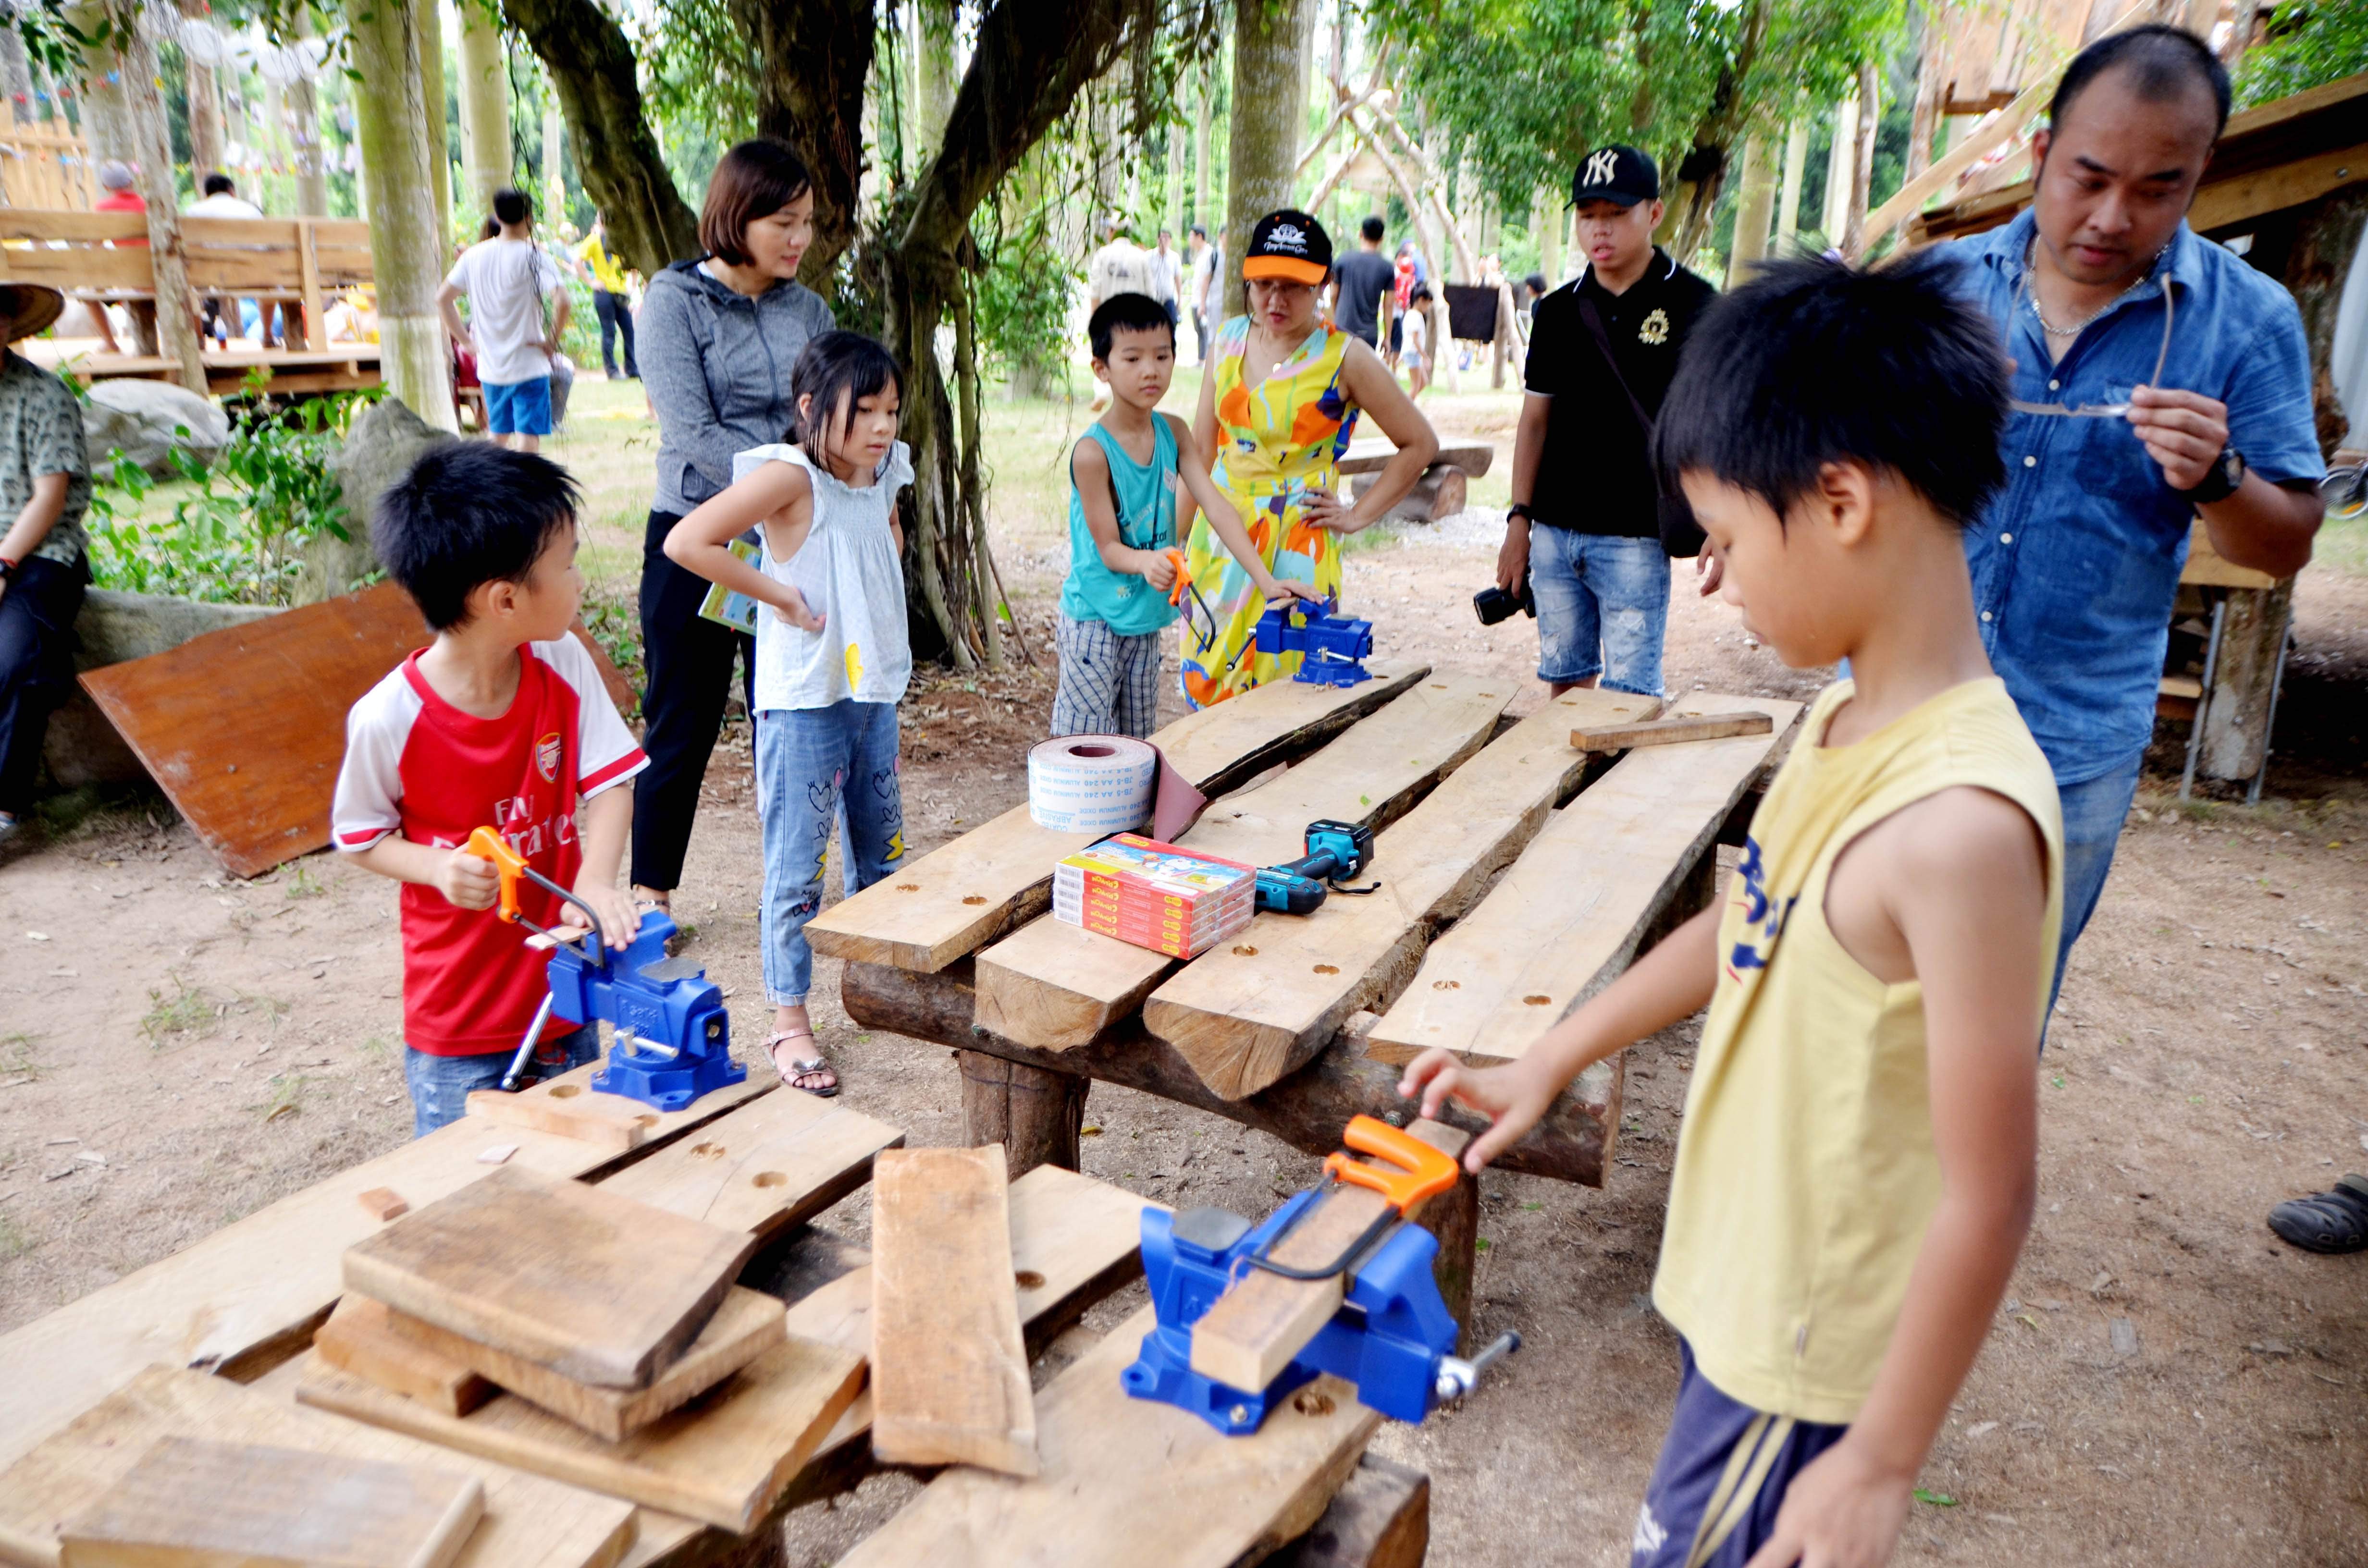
{"type": "Point", "coordinates": [832, 657]}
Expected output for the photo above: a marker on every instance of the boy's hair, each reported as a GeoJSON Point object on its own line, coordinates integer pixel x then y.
{"type": "Point", "coordinates": [467, 514]}
{"type": "Point", "coordinates": [755, 180]}
{"type": "Point", "coordinates": [1373, 228]}
{"type": "Point", "coordinates": [838, 368]}
{"type": "Point", "coordinates": [2163, 63]}
{"type": "Point", "coordinates": [512, 207]}
{"type": "Point", "coordinates": [220, 184]}
{"type": "Point", "coordinates": [1816, 362]}
{"type": "Point", "coordinates": [1136, 312]}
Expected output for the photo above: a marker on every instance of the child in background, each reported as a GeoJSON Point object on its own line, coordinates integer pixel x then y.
{"type": "Point", "coordinates": [1412, 357]}
{"type": "Point", "coordinates": [832, 660]}
{"type": "Point", "coordinates": [1857, 1168]}
{"type": "Point", "coordinates": [501, 722]}
{"type": "Point", "coordinates": [1123, 475]}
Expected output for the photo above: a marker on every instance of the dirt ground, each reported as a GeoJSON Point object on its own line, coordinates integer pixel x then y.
{"type": "Point", "coordinates": [2169, 1384]}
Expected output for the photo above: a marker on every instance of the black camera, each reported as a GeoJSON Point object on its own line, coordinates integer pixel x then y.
{"type": "Point", "coordinates": [1493, 603]}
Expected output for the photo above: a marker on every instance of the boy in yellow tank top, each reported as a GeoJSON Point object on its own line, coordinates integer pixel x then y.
{"type": "Point", "coordinates": [1856, 1167]}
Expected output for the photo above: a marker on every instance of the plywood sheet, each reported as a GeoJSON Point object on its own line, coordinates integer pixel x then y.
{"type": "Point", "coordinates": [948, 1372]}
{"type": "Point", "coordinates": [592, 1284]}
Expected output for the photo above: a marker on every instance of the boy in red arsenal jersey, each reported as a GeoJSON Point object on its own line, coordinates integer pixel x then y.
{"type": "Point", "coordinates": [501, 722]}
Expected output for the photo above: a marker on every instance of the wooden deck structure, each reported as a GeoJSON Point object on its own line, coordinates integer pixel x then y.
{"type": "Point", "coordinates": [299, 264]}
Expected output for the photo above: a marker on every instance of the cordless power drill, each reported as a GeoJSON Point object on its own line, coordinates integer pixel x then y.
{"type": "Point", "coordinates": [1336, 851]}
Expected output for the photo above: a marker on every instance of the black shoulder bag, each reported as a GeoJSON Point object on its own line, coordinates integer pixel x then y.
{"type": "Point", "coordinates": [1682, 536]}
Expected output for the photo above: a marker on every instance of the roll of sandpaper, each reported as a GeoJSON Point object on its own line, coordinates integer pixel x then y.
{"type": "Point", "coordinates": [1097, 784]}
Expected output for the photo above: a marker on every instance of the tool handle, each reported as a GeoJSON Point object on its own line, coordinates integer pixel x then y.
{"type": "Point", "coordinates": [1457, 1376]}
{"type": "Point", "coordinates": [1183, 583]}
{"type": "Point", "coordinates": [1414, 1170]}
{"type": "Point", "coordinates": [510, 865]}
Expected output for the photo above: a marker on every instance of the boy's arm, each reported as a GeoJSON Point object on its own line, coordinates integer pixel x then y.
{"type": "Point", "coordinates": [1672, 982]}
{"type": "Point", "coordinates": [1967, 892]}
{"type": "Point", "coordinates": [466, 880]}
{"type": "Point", "coordinates": [701, 542]}
{"type": "Point", "coordinates": [1226, 523]}
{"type": "Point", "coordinates": [1089, 475]}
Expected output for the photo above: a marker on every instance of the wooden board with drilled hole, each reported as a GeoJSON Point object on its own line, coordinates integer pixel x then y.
{"type": "Point", "coordinates": [1055, 987]}
{"type": "Point", "coordinates": [360, 1339]}
{"type": "Point", "coordinates": [948, 1372]}
{"type": "Point", "coordinates": [196, 1503]}
{"type": "Point", "coordinates": [1249, 1334]}
{"type": "Point", "coordinates": [529, 1522]}
{"type": "Point", "coordinates": [1253, 1010]}
{"type": "Point", "coordinates": [765, 1166]}
{"type": "Point", "coordinates": [1567, 919]}
{"type": "Point", "coordinates": [745, 1326]}
{"type": "Point", "coordinates": [609, 1122]}
{"type": "Point", "coordinates": [961, 896]}
{"type": "Point", "coordinates": [588, 1282]}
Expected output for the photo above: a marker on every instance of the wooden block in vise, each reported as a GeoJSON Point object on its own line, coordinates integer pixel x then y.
{"type": "Point", "coordinates": [1670, 731]}
{"type": "Point", "coordinates": [587, 1282]}
{"type": "Point", "coordinates": [382, 1203]}
{"type": "Point", "coordinates": [1251, 1332]}
{"type": "Point", "coordinates": [748, 1323]}
{"type": "Point", "coordinates": [360, 1339]}
{"type": "Point", "coordinates": [612, 1122]}
{"type": "Point", "coordinates": [949, 1371]}
{"type": "Point", "coordinates": [193, 1503]}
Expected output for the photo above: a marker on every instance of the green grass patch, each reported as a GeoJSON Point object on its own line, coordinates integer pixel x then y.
{"type": "Point", "coordinates": [14, 1242]}
{"type": "Point", "coordinates": [183, 1012]}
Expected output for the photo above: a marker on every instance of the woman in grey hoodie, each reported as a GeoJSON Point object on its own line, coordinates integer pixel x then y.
{"type": "Point", "coordinates": [718, 339]}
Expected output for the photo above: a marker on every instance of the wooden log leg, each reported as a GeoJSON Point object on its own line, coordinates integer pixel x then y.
{"type": "Point", "coordinates": [1035, 1114]}
{"type": "Point", "coordinates": [1380, 1520]}
{"type": "Point", "coordinates": [2237, 708]}
{"type": "Point", "coordinates": [1454, 1218]}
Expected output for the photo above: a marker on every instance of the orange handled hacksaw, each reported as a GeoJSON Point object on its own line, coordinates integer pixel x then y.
{"type": "Point", "coordinates": [510, 865]}
{"type": "Point", "coordinates": [1412, 1171]}
{"type": "Point", "coordinates": [1207, 629]}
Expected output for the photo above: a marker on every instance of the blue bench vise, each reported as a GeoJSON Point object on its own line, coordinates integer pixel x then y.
{"type": "Point", "coordinates": [1332, 648]}
{"type": "Point", "coordinates": [670, 1037]}
{"type": "Point", "coordinates": [1393, 1337]}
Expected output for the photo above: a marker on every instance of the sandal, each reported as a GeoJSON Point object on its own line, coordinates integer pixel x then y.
{"type": "Point", "coordinates": [2332, 1222]}
{"type": "Point", "coordinates": [801, 1067]}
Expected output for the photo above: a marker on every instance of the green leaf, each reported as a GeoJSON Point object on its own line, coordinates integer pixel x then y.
{"type": "Point", "coordinates": [1481, 1244]}
{"type": "Point", "coordinates": [1938, 1499]}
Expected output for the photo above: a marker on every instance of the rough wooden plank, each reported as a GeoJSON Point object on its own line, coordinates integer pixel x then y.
{"type": "Point", "coordinates": [1053, 986]}
{"type": "Point", "coordinates": [763, 1168]}
{"type": "Point", "coordinates": [610, 1122]}
{"type": "Point", "coordinates": [949, 1371]}
{"type": "Point", "coordinates": [964, 895]}
{"type": "Point", "coordinates": [1131, 1481]}
{"type": "Point", "coordinates": [1250, 1333]}
{"type": "Point", "coordinates": [1572, 1143]}
{"type": "Point", "coordinates": [1570, 914]}
{"type": "Point", "coordinates": [590, 1283]}
{"type": "Point", "coordinates": [358, 1338]}
{"type": "Point", "coordinates": [1255, 1009]}
{"type": "Point", "coordinates": [1380, 1520]}
{"type": "Point", "coordinates": [1669, 732]}
{"type": "Point", "coordinates": [720, 1459]}
{"type": "Point", "coordinates": [745, 1326]}
{"type": "Point", "coordinates": [529, 1522]}
{"type": "Point", "coordinates": [194, 1503]}
{"type": "Point", "coordinates": [249, 1296]}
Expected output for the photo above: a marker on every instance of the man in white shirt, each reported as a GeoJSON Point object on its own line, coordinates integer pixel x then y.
{"type": "Point", "coordinates": [221, 199]}
{"type": "Point", "coordinates": [1166, 268]}
{"type": "Point", "coordinates": [1119, 268]}
{"type": "Point", "coordinates": [506, 280]}
{"type": "Point", "coordinates": [1206, 300]}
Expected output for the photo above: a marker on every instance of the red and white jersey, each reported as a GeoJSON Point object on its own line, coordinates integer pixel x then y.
{"type": "Point", "coordinates": [417, 766]}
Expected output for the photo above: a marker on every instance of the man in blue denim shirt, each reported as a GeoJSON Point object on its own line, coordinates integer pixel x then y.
{"type": "Point", "coordinates": [2156, 377]}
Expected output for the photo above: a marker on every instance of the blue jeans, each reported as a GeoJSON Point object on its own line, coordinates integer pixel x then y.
{"type": "Point", "coordinates": [1604, 606]}
{"type": "Point", "coordinates": [439, 1084]}
{"type": "Point", "coordinates": [818, 767]}
{"type": "Point", "coordinates": [2093, 814]}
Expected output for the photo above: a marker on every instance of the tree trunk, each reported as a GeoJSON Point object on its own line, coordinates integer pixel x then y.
{"type": "Point", "coordinates": [1545, 217]}
{"type": "Point", "coordinates": [406, 244]}
{"type": "Point", "coordinates": [1925, 118]}
{"type": "Point", "coordinates": [1204, 92]}
{"type": "Point", "coordinates": [205, 108]}
{"type": "Point", "coordinates": [305, 117]}
{"type": "Point", "coordinates": [554, 170]}
{"type": "Point", "coordinates": [177, 326]}
{"type": "Point", "coordinates": [812, 59]}
{"type": "Point", "coordinates": [105, 119]}
{"type": "Point", "coordinates": [933, 75]}
{"type": "Point", "coordinates": [1840, 163]}
{"type": "Point", "coordinates": [485, 89]}
{"type": "Point", "coordinates": [1756, 198]}
{"type": "Point", "coordinates": [427, 17]}
{"type": "Point", "coordinates": [1262, 144]}
{"type": "Point", "coordinates": [1796, 169]}
{"type": "Point", "coordinates": [1862, 185]}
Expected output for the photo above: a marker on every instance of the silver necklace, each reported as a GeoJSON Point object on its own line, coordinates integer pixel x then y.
{"type": "Point", "coordinates": [2077, 327]}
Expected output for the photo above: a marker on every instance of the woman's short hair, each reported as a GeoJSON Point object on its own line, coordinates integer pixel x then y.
{"type": "Point", "coordinates": [753, 180]}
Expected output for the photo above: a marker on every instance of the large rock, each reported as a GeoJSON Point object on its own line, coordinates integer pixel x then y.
{"type": "Point", "coordinates": [146, 420]}
{"type": "Point", "coordinates": [82, 747]}
{"type": "Point", "coordinates": [382, 444]}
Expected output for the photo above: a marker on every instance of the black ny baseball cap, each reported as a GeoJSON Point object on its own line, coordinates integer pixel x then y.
{"type": "Point", "coordinates": [1288, 244]}
{"type": "Point", "coordinates": [1615, 173]}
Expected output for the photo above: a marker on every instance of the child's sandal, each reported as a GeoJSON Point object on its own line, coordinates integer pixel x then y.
{"type": "Point", "coordinates": [801, 1067]}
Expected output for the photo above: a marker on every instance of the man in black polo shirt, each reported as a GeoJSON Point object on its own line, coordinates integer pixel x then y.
{"type": "Point", "coordinates": [1585, 519]}
{"type": "Point", "coordinates": [1362, 288]}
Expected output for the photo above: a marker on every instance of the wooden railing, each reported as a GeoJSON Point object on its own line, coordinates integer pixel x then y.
{"type": "Point", "coordinates": [44, 165]}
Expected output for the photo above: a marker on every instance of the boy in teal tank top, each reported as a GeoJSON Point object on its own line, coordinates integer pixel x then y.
{"type": "Point", "coordinates": [1124, 475]}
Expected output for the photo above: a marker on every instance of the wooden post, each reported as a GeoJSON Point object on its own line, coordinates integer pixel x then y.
{"type": "Point", "coordinates": [2237, 708]}
{"type": "Point", "coordinates": [1454, 1218]}
{"type": "Point", "coordinates": [1037, 1115]}
{"type": "Point", "coordinates": [1380, 1520]}
{"type": "Point", "coordinates": [177, 319]}
{"type": "Point", "coordinates": [308, 260]}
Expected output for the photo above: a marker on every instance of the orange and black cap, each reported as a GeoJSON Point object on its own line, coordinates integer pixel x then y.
{"type": "Point", "coordinates": [1288, 244]}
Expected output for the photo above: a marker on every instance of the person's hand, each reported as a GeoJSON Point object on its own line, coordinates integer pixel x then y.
{"type": "Point", "coordinates": [1842, 1511]}
{"type": "Point", "coordinates": [1710, 567]}
{"type": "Point", "coordinates": [1280, 591]}
{"type": "Point", "coordinates": [1320, 508]}
{"type": "Point", "coordinates": [1513, 556]}
{"type": "Point", "coordinates": [619, 918]}
{"type": "Point", "coordinates": [792, 607]}
{"type": "Point", "coordinates": [2183, 431]}
{"type": "Point", "coordinates": [468, 882]}
{"type": "Point", "coordinates": [1158, 569]}
{"type": "Point", "coordinates": [551, 346]}
{"type": "Point", "coordinates": [467, 345]}
{"type": "Point", "coordinates": [1512, 1098]}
